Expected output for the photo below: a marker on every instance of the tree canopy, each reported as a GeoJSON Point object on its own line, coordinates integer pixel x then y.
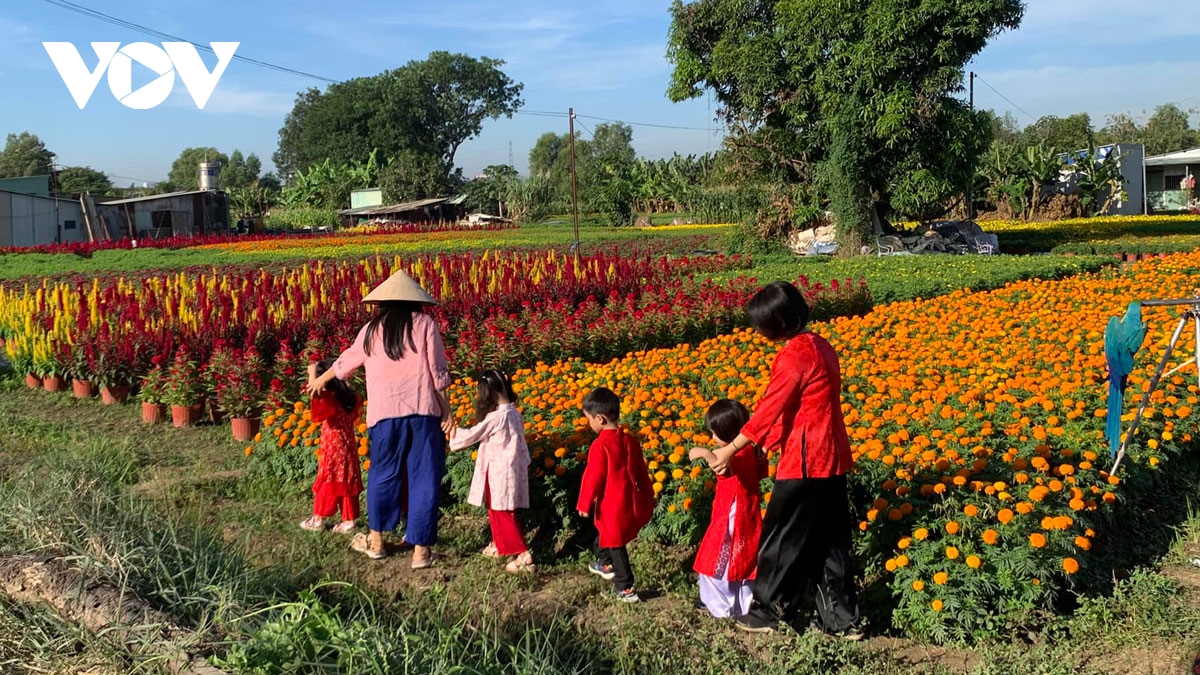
{"type": "Point", "coordinates": [859, 98]}
{"type": "Point", "coordinates": [25, 154]}
{"type": "Point", "coordinates": [80, 179]}
{"type": "Point", "coordinates": [430, 107]}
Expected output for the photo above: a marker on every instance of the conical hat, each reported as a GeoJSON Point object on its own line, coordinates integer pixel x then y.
{"type": "Point", "coordinates": [400, 287]}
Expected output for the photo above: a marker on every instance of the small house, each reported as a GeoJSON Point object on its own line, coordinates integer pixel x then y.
{"type": "Point", "coordinates": [1171, 181]}
{"type": "Point", "coordinates": [180, 214]}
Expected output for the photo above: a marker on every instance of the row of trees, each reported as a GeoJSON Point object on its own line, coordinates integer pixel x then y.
{"type": "Point", "coordinates": [1167, 129]}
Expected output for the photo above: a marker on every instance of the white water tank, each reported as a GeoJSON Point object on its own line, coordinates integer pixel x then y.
{"type": "Point", "coordinates": [209, 176]}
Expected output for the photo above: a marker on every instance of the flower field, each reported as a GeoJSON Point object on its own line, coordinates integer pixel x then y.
{"type": "Point", "coordinates": [1036, 236]}
{"type": "Point", "coordinates": [977, 424]}
{"type": "Point", "coordinates": [250, 241]}
{"type": "Point", "coordinates": [509, 309]}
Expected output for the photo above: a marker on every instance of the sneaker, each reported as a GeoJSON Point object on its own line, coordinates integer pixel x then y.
{"type": "Point", "coordinates": [752, 623]}
{"type": "Point", "coordinates": [605, 572]}
{"type": "Point", "coordinates": [627, 595]}
{"type": "Point", "coordinates": [698, 604]}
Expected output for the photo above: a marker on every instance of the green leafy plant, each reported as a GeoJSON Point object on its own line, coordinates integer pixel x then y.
{"type": "Point", "coordinates": [153, 386]}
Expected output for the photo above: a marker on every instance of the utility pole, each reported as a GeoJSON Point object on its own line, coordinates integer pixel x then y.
{"type": "Point", "coordinates": [574, 189]}
{"type": "Point", "coordinates": [971, 180]}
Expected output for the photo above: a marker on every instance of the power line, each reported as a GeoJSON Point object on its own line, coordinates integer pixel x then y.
{"type": "Point", "coordinates": [107, 18]}
{"type": "Point", "coordinates": [589, 131]}
{"type": "Point", "coordinates": [1019, 108]}
{"type": "Point", "coordinates": [645, 124]}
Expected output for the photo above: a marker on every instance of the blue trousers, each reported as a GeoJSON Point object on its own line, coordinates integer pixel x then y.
{"type": "Point", "coordinates": [406, 452]}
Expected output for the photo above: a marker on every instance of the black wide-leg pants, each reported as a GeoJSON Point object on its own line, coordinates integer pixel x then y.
{"type": "Point", "coordinates": [806, 540]}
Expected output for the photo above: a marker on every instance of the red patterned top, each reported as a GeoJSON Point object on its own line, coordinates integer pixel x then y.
{"type": "Point", "coordinates": [738, 487]}
{"type": "Point", "coordinates": [338, 471]}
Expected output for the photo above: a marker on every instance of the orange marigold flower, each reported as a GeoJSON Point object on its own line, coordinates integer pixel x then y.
{"type": "Point", "coordinates": [937, 605]}
{"type": "Point", "coordinates": [952, 527]}
{"type": "Point", "coordinates": [990, 537]}
{"type": "Point", "coordinates": [951, 553]}
{"type": "Point", "coordinates": [1083, 543]}
{"type": "Point", "coordinates": [941, 578]}
{"type": "Point", "coordinates": [921, 534]}
{"type": "Point", "coordinates": [1070, 565]}
{"type": "Point", "coordinates": [1037, 540]}
{"type": "Point", "coordinates": [971, 510]}
{"type": "Point", "coordinates": [918, 585]}
{"type": "Point", "coordinates": [974, 562]}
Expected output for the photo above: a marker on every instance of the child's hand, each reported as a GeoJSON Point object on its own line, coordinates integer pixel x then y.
{"type": "Point", "coordinates": [312, 372]}
{"type": "Point", "coordinates": [698, 453]}
{"type": "Point", "coordinates": [584, 514]}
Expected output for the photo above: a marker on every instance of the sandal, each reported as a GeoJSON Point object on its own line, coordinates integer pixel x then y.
{"type": "Point", "coordinates": [362, 544]}
{"type": "Point", "coordinates": [519, 564]}
{"type": "Point", "coordinates": [425, 562]}
{"type": "Point", "coordinates": [490, 551]}
{"type": "Point", "coordinates": [345, 527]}
{"type": "Point", "coordinates": [313, 524]}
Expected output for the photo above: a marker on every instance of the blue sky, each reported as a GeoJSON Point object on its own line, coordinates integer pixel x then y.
{"type": "Point", "coordinates": [605, 59]}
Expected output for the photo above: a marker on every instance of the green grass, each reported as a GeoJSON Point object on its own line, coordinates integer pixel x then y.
{"type": "Point", "coordinates": [224, 555]}
{"type": "Point", "coordinates": [898, 278]}
{"type": "Point", "coordinates": [1184, 243]}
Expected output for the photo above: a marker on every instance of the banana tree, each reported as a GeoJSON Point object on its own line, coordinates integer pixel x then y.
{"type": "Point", "coordinates": [1041, 166]}
{"type": "Point", "coordinates": [1100, 180]}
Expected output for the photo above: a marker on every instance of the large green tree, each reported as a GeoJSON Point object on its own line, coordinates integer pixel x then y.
{"type": "Point", "coordinates": [240, 171]}
{"type": "Point", "coordinates": [861, 97]}
{"type": "Point", "coordinates": [1068, 134]}
{"type": "Point", "coordinates": [431, 107]}
{"type": "Point", "coordinates": [413, 175]}
{"type": "Point", "coordinates": [80, 179]}
{"type": "Point", "coordinates": [1168, 130]}
{"type": "Point", "coordinates": [185, 171]}
{"type": "Point", "coordinates": [25, 154]}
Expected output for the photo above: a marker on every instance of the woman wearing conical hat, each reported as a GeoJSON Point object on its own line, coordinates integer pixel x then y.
{"type": "Point", "coordinates": [408, 414]}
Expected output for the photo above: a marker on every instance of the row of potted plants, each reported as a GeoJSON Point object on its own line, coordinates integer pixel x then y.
{"type": "Point", "coordinates": [229, 386]}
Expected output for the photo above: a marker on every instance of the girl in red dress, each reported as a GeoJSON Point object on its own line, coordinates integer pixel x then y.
{"type": "Point", "coordinates": [728, 555]}
{"type": "Point", "coordinates": [339, 476]}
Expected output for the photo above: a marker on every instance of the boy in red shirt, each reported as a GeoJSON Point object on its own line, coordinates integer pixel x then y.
{"type": "Point", "coordinates": [616, 491]}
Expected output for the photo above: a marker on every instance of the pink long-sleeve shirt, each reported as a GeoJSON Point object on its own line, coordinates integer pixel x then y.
{"type": "Point", "coordinates": [406, 386]}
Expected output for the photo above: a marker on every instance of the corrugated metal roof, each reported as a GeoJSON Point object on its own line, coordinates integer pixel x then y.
{"type": "Point", "coordinates": [457, 200]}
{"type": "Point", "coordinates": [395, 208]}
{"type": "Point", "coordinates": [150, 198]}
{"type": "Point", "coordinates": [1185, 157]}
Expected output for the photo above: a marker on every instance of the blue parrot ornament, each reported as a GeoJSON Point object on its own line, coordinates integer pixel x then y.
{"type": "Point", "coordinates": [1122, 340]}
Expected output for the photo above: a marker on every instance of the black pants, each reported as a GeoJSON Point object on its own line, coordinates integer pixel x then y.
{"type": "Point", "coordinates": [619, 559]}
{"type": "Point", "coordinates": [806, 543]}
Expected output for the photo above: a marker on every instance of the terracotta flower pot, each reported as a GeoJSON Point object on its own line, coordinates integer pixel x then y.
{"type": "Point", "coordinates": [185, 415]}
{"type": "Point", "coordinates": [83, 388]}
{"type": "Point", "coordinates": [54, 383]}
{"type": "Point", "coordinates": [244, 428]}
{"type": "Point", "coordinates": [114, 395]}
{"type": "Point", "coordinates": [153, 413]}
{"type": "Point", "coordinates": [1131, 257]}
{"type": "Point", "coordinates": [1069, 254]}
{"type": "Point", "coordinates": [33, 381]}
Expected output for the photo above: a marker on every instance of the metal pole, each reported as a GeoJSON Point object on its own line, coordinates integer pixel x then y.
{"type": "Point", "coordinates": [574, 188]}
{"type": "Point", "coordinates": [971, 180]}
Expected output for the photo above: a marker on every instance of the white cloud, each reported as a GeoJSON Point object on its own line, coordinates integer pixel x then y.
{"type": "Point", "coordinates": [231, 100]}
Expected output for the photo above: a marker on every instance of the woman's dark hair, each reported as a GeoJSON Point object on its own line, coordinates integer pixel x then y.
{"type": "Point", "coordinates": [725, 419]}
{"type": "Point", "coordinates": [778, 311]}
{"type": "Point", "coordinates": [493, 384]}
{"type": "Point", "coordinates": [604, 402]}
{"type": "Point", "coordinates": [341, 391]}
{"type": "Point", "coordinates": [396, 318]}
